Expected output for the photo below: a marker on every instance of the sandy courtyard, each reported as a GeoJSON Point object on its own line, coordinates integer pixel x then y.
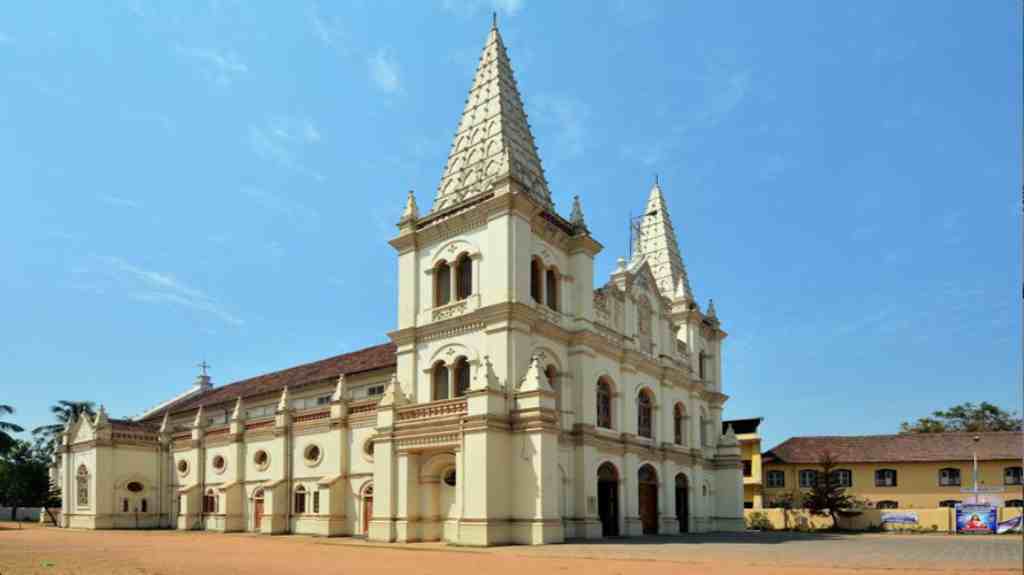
{"type": "Point", "coordinates": [41, 550]}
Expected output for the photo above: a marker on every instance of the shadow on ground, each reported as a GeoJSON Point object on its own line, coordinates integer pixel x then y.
{"type": "Point", "coordinates": [744, 538]}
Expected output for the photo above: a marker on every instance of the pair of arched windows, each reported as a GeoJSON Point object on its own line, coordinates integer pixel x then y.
{"type": "Point", "coordinates": [544, 284]}
{"type": "Point", "coordinates": [450, 381]}
{"type": "Point", "coordinates": [443, 280]}
{"type": "Point", "coordinates": [210, 501]}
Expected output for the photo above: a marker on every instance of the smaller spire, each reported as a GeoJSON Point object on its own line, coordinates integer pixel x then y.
{"type": "Point", "coordinates": [494, 20]}
{"type": "Point", "coordinates": [621, 265]}
{"type": "Point", "coordinates": [101, 417]}
{"type": "Point", "coordinates": [535, 378]}
{"type": "Point", "coordinates": [657, 184]}
{"type": "Point", "coordinates": [576, 218]}
{"type": "Point", "coordinates": [238, 413]}
{"type": "Point", "coordinates": [199, 421]}
{"type": "Point", "coordinates": [282, 404]}
{"type": "Point", "coordinates": [711, 314]}
{"type": "Point", "coordinates": [486, 378]}
{"type": "Point", "coordinates": [412, 211]}
{"type": "Point", "coordinates": [165, 425]}
{"type": "Point", "coordinates": [393, 394]}
{"type": "Point", "coordinates": [339, 389]}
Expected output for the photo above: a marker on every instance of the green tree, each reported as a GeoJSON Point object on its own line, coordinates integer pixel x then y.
{"type": "Point", "coordinates": [828, 494]}
{"type": "Point", "coordinates": [63, 411]}
{"type": "Point", "coordinates": [966, 417]}
{"type": "Point", "coordinates": [7, 428]}
{"type": "Point", "coordinates": [24, 478]}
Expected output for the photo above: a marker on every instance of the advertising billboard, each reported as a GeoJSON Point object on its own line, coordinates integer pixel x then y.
{"type": "Point", "coordinates": [975, 518]}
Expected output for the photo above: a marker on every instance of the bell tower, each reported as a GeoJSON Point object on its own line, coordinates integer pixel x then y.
{"type": "Point", "coordinates": [483, 275]}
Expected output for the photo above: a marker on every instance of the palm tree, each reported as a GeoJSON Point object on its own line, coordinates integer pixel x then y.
{"type": "Point", "coordinates": [7, 428]}
{"type": "Point", "coordinates": [64, 411]}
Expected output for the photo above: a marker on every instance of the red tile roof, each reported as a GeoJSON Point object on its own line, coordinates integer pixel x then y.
{"type": "Point", "coordinates": [909, 447]}
{"type": "Point", "coordinates": [369, 359]}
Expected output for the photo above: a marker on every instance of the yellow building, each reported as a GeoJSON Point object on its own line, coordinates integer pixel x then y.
{"type": "Point", "coordinates": [750, 452]}
{"type": "Point", "coordinates": [903, 471]}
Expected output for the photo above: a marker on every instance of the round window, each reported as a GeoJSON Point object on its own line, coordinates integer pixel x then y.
{"type": "Point", "coordinates": [449, 478]}
{"type": "Point", "coordinates": [368, 447]}
{"type": "Point", "coordinates": [261, 459]}
{"type": "Point", "coordinates": [134, 487]}
{"type": "Point", "coordinates": [182, 466]}
{"type": "Point", "coordinates": [312, 454]}
{"type": "Point", "coordinates": [218, 463]}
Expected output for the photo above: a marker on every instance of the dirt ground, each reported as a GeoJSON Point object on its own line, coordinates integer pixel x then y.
{"type": "Point", "coordinates": [51, 551]}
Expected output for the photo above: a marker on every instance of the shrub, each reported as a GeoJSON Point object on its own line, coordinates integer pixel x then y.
{"type": "Point", "coordinates": [759, 522]}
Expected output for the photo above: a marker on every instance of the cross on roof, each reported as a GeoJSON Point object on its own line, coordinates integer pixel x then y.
{"type": "Point", "coordinates": [203, 365]}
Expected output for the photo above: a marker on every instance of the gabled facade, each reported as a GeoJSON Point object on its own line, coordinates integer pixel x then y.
{"type": "Point", "coordinates": [515, 404]}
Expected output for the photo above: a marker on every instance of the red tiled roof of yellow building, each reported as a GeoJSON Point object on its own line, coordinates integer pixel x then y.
{"type": "Point", "coordinates": [908, 447]}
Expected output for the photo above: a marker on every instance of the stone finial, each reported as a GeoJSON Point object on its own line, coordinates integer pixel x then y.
{"type": "Point", "coordinates": [576, 218]}
{"type": "Point", "coordinates": [620, 265]}
{"type": "Point", "coordinates": [393, 393]}
{"type": "Point", "coordinates": [282, 404]}
{"type": "Point", "coordinates": [200, 420]}
{"type": "Point", "coordinates": [728, 439]}
{"type": "Point", "coordinates": [711, 310]}
{"type": "Point", "coordinates": [165, 425]}
{"type": "Point", "coordinates": [339, 390]}
{"type": "Point", "coordinates": [412, 211]}
{"type": "Point", "coordinates": [485, 376]}
{"type": "Point", "coordinates": [101, 418]}
{"type": "Point", "coordinates": [535, 378]}
{"type": "Point", "coordinates": [238, 414]}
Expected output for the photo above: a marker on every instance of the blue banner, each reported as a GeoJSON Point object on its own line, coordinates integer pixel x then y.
{"type": "Point", "coordinates": [973, 518]}
{"type": "Point", "coordinates": [903, 517]}
{"type": "Point", "coordinates": [1012, 525]}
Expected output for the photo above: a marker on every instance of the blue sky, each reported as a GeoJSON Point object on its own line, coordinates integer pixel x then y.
{"type": "Point", "coordinates": [217, 180]}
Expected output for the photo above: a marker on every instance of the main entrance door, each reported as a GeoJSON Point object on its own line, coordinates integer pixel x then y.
{"type": "Point", "coordinates": [608, 499]}
{"type": "Point", "coordinates": [648, 485]}
{"type": "Point", "coordinates": [682, 502]}
{"type": "Point", "coordinates": [367, 509]}
{"type": "Point", "coordinates": [257, 510]}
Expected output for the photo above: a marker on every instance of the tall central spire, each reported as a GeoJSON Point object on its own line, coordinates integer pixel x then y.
{"type": "Point", "coordinates": [657, 242]}
{"type": "Point", "coordinates": [493, 140]}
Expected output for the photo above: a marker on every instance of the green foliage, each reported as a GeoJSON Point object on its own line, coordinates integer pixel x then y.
{"type": "Point", "coordinates": [64, 411]}
{"type": "Point", "coordinates": [966, 417]}
{"type": "Point", "coordinates": [7, 441]}
{"type": "Point", "coordinates": [827, 496]}
{"type": "Point", "coordinates": [24, 478]}
{"type": "Point", "coordinates": [759, 522]}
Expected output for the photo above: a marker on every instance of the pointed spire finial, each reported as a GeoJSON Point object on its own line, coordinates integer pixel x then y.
{"type": "Point", "coordinates": [101, 417]}
{"type": "Point", "coordinates": [165, 425]}
{"type": "Point", "coordinates": [199, 421]}
{"type": "Point", "coordinates": [339, 389]}
{"type": "Point", "coordinates": [282, 404]}
{"type": "Point", "coordinates": [412, 211]}
{"type": "Point", "coordinates": [494, 20]}
{"type": "Point", "coordinates": [656, 183]}
{"type": "Point", "coordinates": [236, 415]}
{"type": "Point", "coordinates": [576, 218]}
{"type": "Point", "coordinates": [711, 310]}
{"type": "Point", "coordinates": [535, 378]}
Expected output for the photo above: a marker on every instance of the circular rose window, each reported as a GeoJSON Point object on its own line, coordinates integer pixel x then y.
{"type": "Point", "coordinates": [183, 467]}
{"type": "Point", "coordinates": [218, 463]}
{"type": "Point", "coordinates": [312, 454]}
{"type": "Point", "coordinates": [261, 459]}
{"type": "Point", "coordinates": [134, 487]}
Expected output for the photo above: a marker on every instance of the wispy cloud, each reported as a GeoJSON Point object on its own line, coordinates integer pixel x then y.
{"type": "Point", "coordinates": [384, 71]}
{"type": "Point", "coordinates": [298, 213]}
{"type": "Point", "coordinates": [118, 201]}
{"type": "Point", "coordinates": [282, 139]}
{"type": "Point", "coordinates": [471, 8]}
{"type": "Point", "coordinates": [157, 287]}
{"type": "Point", "coordinates": [725, 92]}
{"type": "Point", "coordinates": [566, 117]}
{"type": "Point", "coordinates": [326, 30]}
{"type": "Point", "coordinates": [220, 67]}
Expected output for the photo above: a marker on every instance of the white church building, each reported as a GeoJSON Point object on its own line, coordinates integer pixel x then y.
{"type": "Point", "coordinates": [514, 403]}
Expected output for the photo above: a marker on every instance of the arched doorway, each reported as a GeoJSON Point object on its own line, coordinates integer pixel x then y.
{"type": "Point", "coordinates": [608, 499]}
{"type": "Point", "coordinates": [683, 502]}
{"type": "Point", "coordinates": [257, 509]}
{"type": "Point", "coordinates": [367, 508]}
{"type": "Point", "coordinates": [647, 483]}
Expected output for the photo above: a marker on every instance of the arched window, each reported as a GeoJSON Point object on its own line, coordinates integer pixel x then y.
{"type": "Point", "coordinates": [551, 281]}
{"type": "Point", "coordinates": [463, 277]}
{"type": "Point", "coordinates": [552, 374]}
{"type": "Point", "coordinates": [300, 499]}
{"type": "Point", "coordinates": [82, 485]}
{"type": "Point", "coordinates": [316, 502]}
{"type": "Point", "coordinates": [704, 435]}
{"type": "Point", "coordinates": [604, 404]}
{"type": "Point", "coordinates": [536, 287]}
{"type": "Point", "coordinates": [1013, 476]}
{"type": "Point", "coordinates": [440, 381]}
{"type": "Point", "coordinates": [145, 507]}
{"type": "Point", "coordinates": [949, 476]}
{"type": "Point", "coordinates": [644, 414]}
{"type": "Point", "coordinates": [442, 283]}
{"type": "Point", "coordinates": [210, 501]}
{"type": "Point", "coordinates": [679, 423]}
{"type": "Point", "coordinates": [461, 377]}
{"type": "Point", "coordinates": [124, 505]}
